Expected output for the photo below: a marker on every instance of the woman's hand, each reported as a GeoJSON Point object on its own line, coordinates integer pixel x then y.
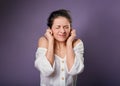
{"type": "Point", "coordinates": [70, 54]}
{"type": "Point", "coordinates": [50, 46]}
{"type": "Point", "coordinates": [71, 37]}
{"type": "Point", "coordinates": [49, 34]}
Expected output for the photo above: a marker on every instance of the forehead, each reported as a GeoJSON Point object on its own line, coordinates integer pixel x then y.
{"type": "Point", "coordinates": [61, 21]}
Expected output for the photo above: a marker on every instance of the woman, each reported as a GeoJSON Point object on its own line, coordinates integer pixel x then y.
{"type": "Point", "coordinates": [59, 56]}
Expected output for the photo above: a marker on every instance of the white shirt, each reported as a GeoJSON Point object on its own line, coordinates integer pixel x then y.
{"type": "Point", "coordinates": [58, 74]}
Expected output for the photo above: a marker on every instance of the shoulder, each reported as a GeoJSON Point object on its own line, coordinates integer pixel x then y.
{"type": "Point", "coordinates": [76, 41]}
{"type": "Point", "coordinates": [42, 42]}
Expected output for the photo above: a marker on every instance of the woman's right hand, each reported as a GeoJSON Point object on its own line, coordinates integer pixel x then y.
{"type": "Point", "coordinates": [49, 34]}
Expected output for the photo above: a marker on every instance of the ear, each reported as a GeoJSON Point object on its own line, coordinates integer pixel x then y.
{"type": "Point", "coordinates": [51, 32]}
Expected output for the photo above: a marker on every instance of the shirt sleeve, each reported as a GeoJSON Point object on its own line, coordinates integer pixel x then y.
{"type": "Point", "coordinates": [78, 65]}
{"type": "Point", "coordinates": [42, 63]}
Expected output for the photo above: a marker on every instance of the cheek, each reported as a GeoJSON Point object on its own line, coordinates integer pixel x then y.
{"type": "Point", "coordinates": [68, 31]}
{"type": "Point", "coordinates": [54, 32]}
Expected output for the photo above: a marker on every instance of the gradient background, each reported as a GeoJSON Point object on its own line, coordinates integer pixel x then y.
{"type": "Point", "coordinates": [97, 23]}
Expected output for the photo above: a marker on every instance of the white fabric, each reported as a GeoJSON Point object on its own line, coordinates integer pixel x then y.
{"type": "Point", "coordinates": [58, 75]}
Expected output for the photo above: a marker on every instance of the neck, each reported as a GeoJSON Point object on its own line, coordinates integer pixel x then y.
{"type": "Point", "coordinates": [59, 45]}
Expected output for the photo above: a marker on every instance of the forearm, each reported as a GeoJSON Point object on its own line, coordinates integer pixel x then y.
{"type": "Point", "coordinates": [70, 56]}
{"type": "Point", "coordinates": [42, 63]}
{"type": "Point", "coordinates": [78, 63]}
{"type": "Point", "coordinates": [50, 52]}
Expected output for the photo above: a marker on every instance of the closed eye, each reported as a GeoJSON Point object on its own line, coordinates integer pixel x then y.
{"type": "Point", "coordinates": [66, 27]}
{"type": "Point", "coordinates": [57, 27]}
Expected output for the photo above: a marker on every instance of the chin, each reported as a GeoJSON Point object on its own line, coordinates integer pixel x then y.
{"type": "Point", "coordinates": [61, 40]}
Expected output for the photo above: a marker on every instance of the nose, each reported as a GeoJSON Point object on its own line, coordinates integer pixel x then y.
{"type": "Point", "coordinates": [62, 30]}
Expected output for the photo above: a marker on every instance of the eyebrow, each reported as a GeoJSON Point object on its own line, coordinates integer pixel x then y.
{"type": "Point", "coordinates": [60, 25]}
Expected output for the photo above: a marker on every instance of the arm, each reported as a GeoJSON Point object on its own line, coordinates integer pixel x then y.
{"type": "Point", "coordinates": [43, 42]}
{"type": "Point", "coordinates": [78, 64]}
{"type": "Point", "coordinates": [50, 46]}
{"type": "Point", "coordinates": [74, 58]}
{"type": "Point", "coordinates": [50, 52]}
{"type": "Point", "coordinates": [70, 55]}
{"type": "Point", "coordinates": [44, 56]}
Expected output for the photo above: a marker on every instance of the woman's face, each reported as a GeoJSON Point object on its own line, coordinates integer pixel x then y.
{"type": "Point", "coordinates": [61, 29]}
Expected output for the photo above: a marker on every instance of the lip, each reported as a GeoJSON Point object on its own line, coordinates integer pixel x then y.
{"type": "Point", "coordinates": [62, 35]}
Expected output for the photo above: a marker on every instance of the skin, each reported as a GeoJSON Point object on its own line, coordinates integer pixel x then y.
{"type": "Point", "coordinates": [60, 40]}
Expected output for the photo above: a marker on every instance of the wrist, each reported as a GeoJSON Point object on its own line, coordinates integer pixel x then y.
{"type": "Point", "coordinates": [51, 40]}
{"type": "Point", "coordinates": [50, 43]}
{"type": "Point", "coordinates": [69, 44]}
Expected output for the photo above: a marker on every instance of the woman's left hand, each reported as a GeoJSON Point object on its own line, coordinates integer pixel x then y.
{"type": "Point", "coordinates": [72, 36]}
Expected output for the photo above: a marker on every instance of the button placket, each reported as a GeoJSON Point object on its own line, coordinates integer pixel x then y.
{"type": "Point", "coordinates": [62, 73]}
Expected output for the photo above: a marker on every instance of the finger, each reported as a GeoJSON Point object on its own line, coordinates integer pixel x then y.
{"type": "Point", "coordinates": [49, 30]}
{"type": "Point", "coordinates": [73, 31]}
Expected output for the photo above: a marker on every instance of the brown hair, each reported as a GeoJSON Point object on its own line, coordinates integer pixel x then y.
{"type": "Point", "coordinates": [58, 13]}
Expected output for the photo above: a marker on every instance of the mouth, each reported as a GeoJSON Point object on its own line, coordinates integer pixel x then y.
{"type": "Point", "coordinates": [62, 35]}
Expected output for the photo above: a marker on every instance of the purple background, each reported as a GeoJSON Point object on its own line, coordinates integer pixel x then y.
{"type": "Point", "coordinates": [97, 23]}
